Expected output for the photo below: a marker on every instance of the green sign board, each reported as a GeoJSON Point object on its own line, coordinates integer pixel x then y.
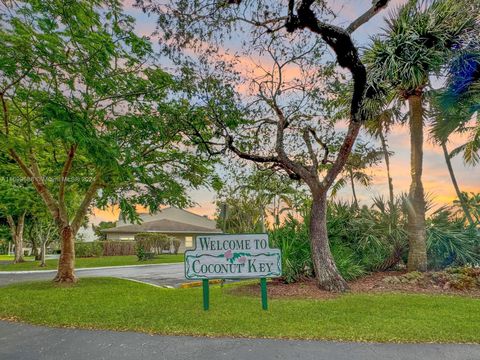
{"type": "Point", "coordinates": [241, 256]}
{"type": "Point", "coordinates": [232, 257]}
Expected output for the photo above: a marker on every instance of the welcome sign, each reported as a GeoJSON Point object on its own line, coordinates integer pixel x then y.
{"type": "Point", "coordinates": [232, 257]}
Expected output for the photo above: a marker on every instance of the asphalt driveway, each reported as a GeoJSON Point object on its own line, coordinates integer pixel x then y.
{"type": "Point", "coordinates": [22, 342]}
{"type": "Point", "coordinates": [159, 274]}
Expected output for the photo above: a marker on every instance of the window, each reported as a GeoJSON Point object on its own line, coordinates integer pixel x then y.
{"type": "Point", "coordinates": [188, 241]}
{"type": "Point", "coordinates": [126, 238]}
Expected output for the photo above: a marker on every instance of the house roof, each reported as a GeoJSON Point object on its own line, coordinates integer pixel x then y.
{"type": "Point", "coordinates": [163, 226]}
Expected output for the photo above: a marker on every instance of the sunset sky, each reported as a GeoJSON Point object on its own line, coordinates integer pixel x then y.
{"type": "Point", "coordinates": [436, 178]}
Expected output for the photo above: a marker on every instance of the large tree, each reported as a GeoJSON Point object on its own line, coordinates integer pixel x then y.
{"type": "Point", "coordinates": [205, 24]}
{"type": "Point", "coordinates": [419, 40]}
{"type": "Point", "coordinates": [86, 110]}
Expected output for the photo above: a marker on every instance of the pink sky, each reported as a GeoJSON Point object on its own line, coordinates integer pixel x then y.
{"type": "Point", "coordinates": [436, 178]}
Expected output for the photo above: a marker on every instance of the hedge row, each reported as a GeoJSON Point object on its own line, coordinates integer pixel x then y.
{"type": "Point", "coordinates": [148, 244]}
{"type": "Point", "coordinates": [114, 248]}
{"type": "Point", "coordinates": [88, 249]}
{"type": "Point", "coordinates": [104, 248]}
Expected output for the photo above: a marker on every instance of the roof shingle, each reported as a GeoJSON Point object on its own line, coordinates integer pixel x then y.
{"type": "Point", "coordinates": [164, 226]}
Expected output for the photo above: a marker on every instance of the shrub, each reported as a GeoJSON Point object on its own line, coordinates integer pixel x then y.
{"type": "Point", "coordinates": [450, 243]}
{"type": "Point", "coordinates": [176, 245]}
{"type": "Point", "coordinates": [346, 262]}
{"type": "Point", "coordinates": [375, 239]}
{"type": "Point", "coordinates": [88, 249]}
{"type": "Point", "coordinates": [156, 243]}
{"type": "Point", "coordinates": [292, 239]}
{"type": "Point", "coordinates": [152, 242]}
{"type": "Point", "coordinates": [116, 248]}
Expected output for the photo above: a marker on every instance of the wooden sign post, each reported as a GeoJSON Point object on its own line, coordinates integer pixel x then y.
{"type": "Point", "coordinates": [243, 256]}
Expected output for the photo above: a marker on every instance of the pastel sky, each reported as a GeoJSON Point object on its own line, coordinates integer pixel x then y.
{"type": "Point", "coordinates": [436, 179]}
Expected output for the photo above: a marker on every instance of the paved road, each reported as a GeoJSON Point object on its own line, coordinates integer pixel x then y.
{"type": "Point", "coordinates": [22, 342]}
{"type": "Point", "coordinates": [164, 274]}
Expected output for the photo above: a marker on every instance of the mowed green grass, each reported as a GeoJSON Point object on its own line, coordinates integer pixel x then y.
{"type": "Point", "coordinates": [103, 261]}
{"type": "Point", "coordinates": [106, 303]}
{"type": "Point", "coordinates": [10, 258]}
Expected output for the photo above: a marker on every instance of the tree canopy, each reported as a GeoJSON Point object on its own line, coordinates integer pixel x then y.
{"type": "Point", "coordinates": [86, 108]}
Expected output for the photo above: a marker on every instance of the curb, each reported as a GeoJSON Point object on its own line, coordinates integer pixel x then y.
{"type": "Point", "coordinates": [192, 284]}
{"type": "Point", "coordinates": [147, 283]}
{"type": "Point", "coordinates": [90, 268]}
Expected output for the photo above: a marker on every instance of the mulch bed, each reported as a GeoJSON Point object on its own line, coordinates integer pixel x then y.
{"type": "Point", "coordinates": [373, 283]}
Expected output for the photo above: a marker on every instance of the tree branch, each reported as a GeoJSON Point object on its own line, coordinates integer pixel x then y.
{"type": "Point", "coordinates": [11, 223]}
{"type": "Point", "coordinates": [247, 156]}
{"type": "Point", "coordinates": [377, 6]}
{"type": "Point", "coordinates": [322, 145]}
{"type": "Point", "coordinates": [311, 152]}
{"type": "Point", "coordinates": [63, 179]}
{"type": "Point", "coordinates": [341, 43]}
{"type": "Point", "coordinates": [343, 154]}
{"type": "Point", "coordinates": [86, 202]}
{"type": "Point", "coordinates": [35, 178]}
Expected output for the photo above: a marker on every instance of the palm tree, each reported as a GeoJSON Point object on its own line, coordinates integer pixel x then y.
{"type": "Point", "coordinates": [460, 195]}
{"type": "Point", "coordinates": [453, 108]}
{"type": "Point", "coordinates": [379, 127]}
{"type": "Point", "coordinates": [472, 202]}
{"type": "Point", "coordinates": [418, 43]}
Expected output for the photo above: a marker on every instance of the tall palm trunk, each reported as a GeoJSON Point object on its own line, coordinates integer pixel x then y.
{"type": "Point", "coordinates": [417, 255]}
{"type": "Point", "coordinates": [386, 155]}
{"type": "Point", "coordinates": [460, 196]}
{"type": "Point", "coordinates": [326, 272]}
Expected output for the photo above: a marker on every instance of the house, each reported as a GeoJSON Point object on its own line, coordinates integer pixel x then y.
{"type": "Point", "coordinates": [171, 221]}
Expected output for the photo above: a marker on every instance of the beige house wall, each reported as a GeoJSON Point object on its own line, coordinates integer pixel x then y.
{"type": "Point", "coordinates": [184, 238]}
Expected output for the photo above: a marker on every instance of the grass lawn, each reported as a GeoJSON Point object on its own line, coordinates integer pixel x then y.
{"type": "Point", "coordinates": [106, 303]}
{"type": "Point", "coordinates": [30, 264]}
{"type": "Point", "coordinates": [10, 258]}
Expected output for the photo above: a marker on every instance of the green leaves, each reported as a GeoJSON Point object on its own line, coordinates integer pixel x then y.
{"type": "Point", "coordinates": [75, 75]}
{"type": "Point", "coordinates": [419, 40]}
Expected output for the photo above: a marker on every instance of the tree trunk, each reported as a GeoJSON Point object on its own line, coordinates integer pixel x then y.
{"type": "Point", "coordinates": [417, 254]}
{"type": "Point", "coordinates": [35, 252]}
{"type": "Point", "coordinates": [455, 185]}
{"type": "Point", "coordinates": [387, 164]}
{"type": "Point", "coordinates": [352, 182]}
{"type": "Point", "coordinates": [66, 263]}
{"type": "Point", "coordinates": [17, 236]}
{"type": "Point", "coordinates": [326, 272]}
{"type": "Point", "coordinates": [18, 249]}
{"type": "Point", "coordinates": [42, 254]}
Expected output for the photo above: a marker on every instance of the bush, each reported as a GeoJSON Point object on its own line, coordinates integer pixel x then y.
{"type": "Point", "coordinates": [88, 249]}
{"type": "Point", "coordinates": [347, 264]}
{"type": "Point", "coordinates": [176, 245]}
{"type": "Point", "coordinates": [156, 243]}
{"type": "Point", "coordinates": [117, 248]}
{"type": "Point", "coordinates": [450, 243]}
{"type": "Point", "coordinates": [458, 278]}
{"type": "Point", "coordinates": [375, 239]}
{"type": "Point", "coordinates": [292, 239]}
{"type": "Point", "coordinates": [360, 240]}
{"type": "Point", "coordinates": [152, 242]}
